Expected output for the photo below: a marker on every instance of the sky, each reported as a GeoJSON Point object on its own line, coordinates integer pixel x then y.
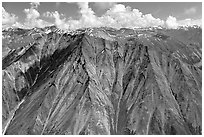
{"type": "Point", "coordinates": [74, 15]}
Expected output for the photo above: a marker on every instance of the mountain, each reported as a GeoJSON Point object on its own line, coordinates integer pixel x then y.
{"type": "Point", "coordinates": [102, 81]}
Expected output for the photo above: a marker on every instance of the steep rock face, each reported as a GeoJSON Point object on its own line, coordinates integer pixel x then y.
{"type": "Point", "coordinates": [102, 81]}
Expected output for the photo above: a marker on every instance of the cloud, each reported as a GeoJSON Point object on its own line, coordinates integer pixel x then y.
{"type": "Point", "coordinates": [60, 23]}
{"type": "Point", "coordinates": [31, 14]}
{"type": "Point", "coordinates": [8, 19]}
{"type": "Point", "coordinates": [88, 17]}
{"type": "Point", "coordinates": [190, 22]}
{"type": "Point", "coordinates": [18, 25]}
{"type": "Point", "coordinates": [33, 17]}
{"type": "Point", "coordinates": [121, 16]}
{"type": "Point", "coordinates": [171, 22]}
{"type": "Point", "coordinates": [48, 14]}
{"type": "Point", "coordinates": [190, 11]}
{"type": "Point", "coordinates": [87, 14]}
{"type": "Point", "coordinates": [117, 16]}
{"type": "Point", "coordinates": [103, 5]}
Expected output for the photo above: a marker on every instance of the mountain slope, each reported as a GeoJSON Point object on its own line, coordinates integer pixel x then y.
{"type": "Point", "coordinates": [101, 81]}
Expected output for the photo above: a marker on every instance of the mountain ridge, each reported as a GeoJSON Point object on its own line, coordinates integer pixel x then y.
{"type": "Point", "coordinates": [102, 81]}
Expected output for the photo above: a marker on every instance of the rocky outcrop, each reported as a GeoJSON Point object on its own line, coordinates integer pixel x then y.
{"type": "Point", "coordinates": [102, 81]}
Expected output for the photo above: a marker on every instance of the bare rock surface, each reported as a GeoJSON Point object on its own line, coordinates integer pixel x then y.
{"type": "Point", "coordinates": [102, 81]}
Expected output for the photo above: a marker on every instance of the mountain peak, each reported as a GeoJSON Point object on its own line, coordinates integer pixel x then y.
{"type": "Point", "coordinates": [102, 81]}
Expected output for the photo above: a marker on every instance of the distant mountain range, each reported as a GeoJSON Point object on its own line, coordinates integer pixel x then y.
{"type": "Point", "coordinates": [102, 81]}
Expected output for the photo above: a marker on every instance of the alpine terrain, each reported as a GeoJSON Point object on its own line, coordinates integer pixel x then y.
{"type": "Point", "coordinates": [102, 81]}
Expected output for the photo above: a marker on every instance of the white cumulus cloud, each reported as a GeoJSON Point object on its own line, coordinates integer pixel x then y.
{"type": "Point", "coordinates": [8, 19]}
{"type": "Point", "coordinates": [117, 16]}
{"type": "Point", "coordinates": [33, 17]}
{"type": "Point", "coordinates": [190, 22]}
{"type": "Point", "coordinates": [171, 22]}
{"type": "Point", "coordinates": [88, 17]}
{"type": "Point", "coordinates": [59, 21]}
{"type": "Point", "coordinates": [132, 18]}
